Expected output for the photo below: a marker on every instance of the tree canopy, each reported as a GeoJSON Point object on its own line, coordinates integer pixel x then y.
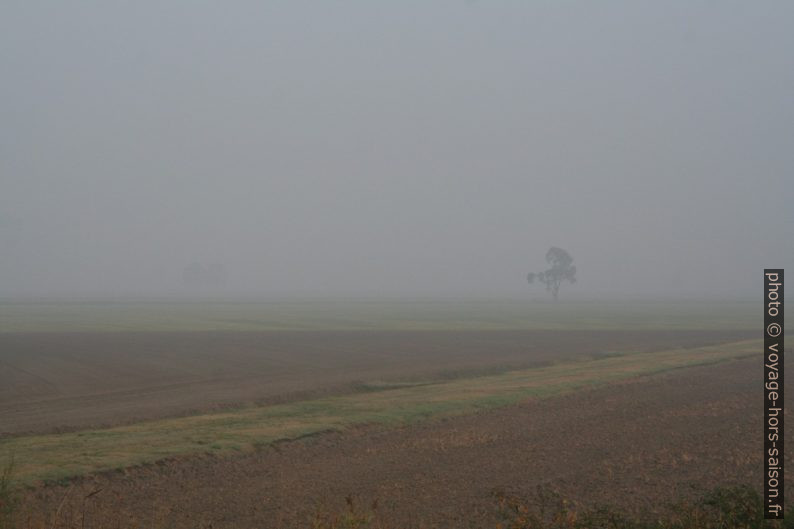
{"type": "Point", "coordinates": [561, 270]}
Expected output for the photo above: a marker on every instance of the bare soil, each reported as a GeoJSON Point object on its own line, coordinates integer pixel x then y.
{"type": "Point", "coordinates": [636, 444]}
{"type": "Point", "coordinates": [68, 381]}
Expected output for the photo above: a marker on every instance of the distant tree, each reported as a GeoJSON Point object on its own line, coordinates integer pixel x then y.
{"type": "Point", "coordinates": [216, 274]}
{"type": "Point", "coordinates": [193, 274]}
{"type": "Point", "coordinates": [197, 275]}
{"type": "Point", "coordinates": [561, 270]}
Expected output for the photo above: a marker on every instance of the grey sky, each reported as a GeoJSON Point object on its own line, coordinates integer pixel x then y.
{"type": "Point", "coordinates": [395, 147]}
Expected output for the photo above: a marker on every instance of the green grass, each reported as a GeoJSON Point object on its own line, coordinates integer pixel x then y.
{"type": "Point", "coordinates": [58, 456]}
{"type": "Point", "coordinates": [369, 314]}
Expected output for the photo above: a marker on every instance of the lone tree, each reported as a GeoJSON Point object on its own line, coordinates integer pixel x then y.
{"type": "Point", "coordinates": [561, 270]}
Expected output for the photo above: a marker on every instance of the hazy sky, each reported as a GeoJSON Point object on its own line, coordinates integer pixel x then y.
{"type": "Point", "coordinates": [360, 147]}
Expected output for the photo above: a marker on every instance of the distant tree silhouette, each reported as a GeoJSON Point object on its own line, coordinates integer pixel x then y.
{"type": "Point", "coordinates": [193, 274]}
{"type": "Point", "coordinates": [561, 270]}
{"type": "Point", "coordinates": [200, 276]}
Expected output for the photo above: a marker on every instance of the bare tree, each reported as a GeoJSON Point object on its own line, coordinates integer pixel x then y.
{"type": "Point", "coordinates": [561, 270]}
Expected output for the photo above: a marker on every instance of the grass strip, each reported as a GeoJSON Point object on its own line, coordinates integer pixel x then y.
{"type": "Point", "coordinates": [60, 456]}
{"type": "Point", "coordinates": [363, 314]}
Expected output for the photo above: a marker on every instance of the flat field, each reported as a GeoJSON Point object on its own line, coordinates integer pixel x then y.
{"type": "Point", "coordinates": [66, 381]}
{"type": "Point", "coordinates": [46, 315]}
{"type": "Point", "coordinates": [86, 364]}
{"type": "Point", "coordinates": [638, 443]}
{"type": "Point", "coordinates": [240, 430]}
{"type": "Point", "coordinates": [210, 391]}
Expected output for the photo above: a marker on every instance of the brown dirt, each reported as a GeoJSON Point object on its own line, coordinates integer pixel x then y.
{"type": "Point", "coordinates": [66, 381]}
{"type": "Point", "coordinates": [637, 444]}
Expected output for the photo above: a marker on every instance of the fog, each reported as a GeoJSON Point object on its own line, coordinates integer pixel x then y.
{"type": "Point", "coordinates": [400, 148]}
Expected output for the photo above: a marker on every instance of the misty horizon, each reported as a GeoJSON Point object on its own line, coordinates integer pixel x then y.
{"type": "Point", "coordinates": [394, 149]}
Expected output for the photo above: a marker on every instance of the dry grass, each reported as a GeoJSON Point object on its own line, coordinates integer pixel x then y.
{"type": "Point", "coordinates": [369, 314]}
{"type": "Point", "coordinates": [58, 456]}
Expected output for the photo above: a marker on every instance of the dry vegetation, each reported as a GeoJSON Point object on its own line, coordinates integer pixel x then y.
{"type": "Point", "coordinates": [353, 314]}
{"type": "Point", "coordinates": [64, 455]}
{"type": "Point", "coordinates": [67, 381]}
{"type": "Point", "coordinates": [635, 447]}
{"type": "Point", "coordinates": [139, 427]}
